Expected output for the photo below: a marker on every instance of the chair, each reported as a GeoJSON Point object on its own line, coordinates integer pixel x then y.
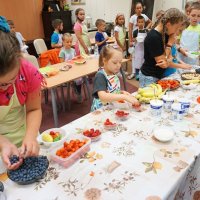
{"type": "Point", "coordinates": [40, 46]}
{"type": "Point", "coordinates": [32, 59]}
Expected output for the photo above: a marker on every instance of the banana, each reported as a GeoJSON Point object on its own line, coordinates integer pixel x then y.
{"type": "Point", "coordinates": [148, 94]}
{"type": "Point", "coordinates": [186, 82]}
{"type": "Point", "coordinates": [138, 96]}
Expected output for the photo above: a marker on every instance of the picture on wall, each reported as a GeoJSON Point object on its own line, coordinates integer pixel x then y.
{"type": "Point", "coordinates": [78, 2]}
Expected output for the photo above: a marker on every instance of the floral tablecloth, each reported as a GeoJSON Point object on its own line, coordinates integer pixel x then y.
{"type": "Point", "coordinates": [127, 163]}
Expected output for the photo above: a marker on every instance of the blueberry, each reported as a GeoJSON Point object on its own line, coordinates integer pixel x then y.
{"type": "Point", "coordinates": [14, 159]}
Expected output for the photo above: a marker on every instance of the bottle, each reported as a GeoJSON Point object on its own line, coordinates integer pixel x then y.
{"type": "Point", "coordinates": [96, 52]}
{"type": "Point", "coordinates": [112, 33]}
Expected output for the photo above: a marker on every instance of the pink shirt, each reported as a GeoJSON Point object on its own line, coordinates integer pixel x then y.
{"type": "Point", "coordinates": [77, 27]}
{"type": "Point", "coordinates": [28, 80]}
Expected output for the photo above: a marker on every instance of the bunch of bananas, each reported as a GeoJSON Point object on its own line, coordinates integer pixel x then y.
{"type": "Point", "coordinates": [152, 91]}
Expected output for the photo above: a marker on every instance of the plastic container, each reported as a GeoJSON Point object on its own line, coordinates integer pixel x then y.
{"type": "Point", "coordinates": [51, 144]}
{"type": "Point", "coordinates": [168, 101]}
{"type": "Point", "coordinates": [156, 107]}
{"type": "Point", "coordinates": [189, 86]}
{"type": "Point", "coordinates": [177, 112]}
{"type": "Point", "coordinates": [67, 162]}
{"type": "Point", "coordinates": [121, 116]}
{"type": "Point", "coordinates": [121, 105]}
{"type": "Point", "coordinates": [185, 104]}
{"type": "Point", "coordinates": [110, 127]}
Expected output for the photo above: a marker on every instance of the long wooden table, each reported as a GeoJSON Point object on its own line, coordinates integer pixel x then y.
{"type": "Point", "coordinates": [78, 70]}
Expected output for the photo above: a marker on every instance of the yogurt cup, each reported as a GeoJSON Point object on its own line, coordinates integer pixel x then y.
{"type": "Point", "coordinates": [185, 103]}
{"type": "Point", "coordinates": [177, 112]}
{"type": "Point", "coordinates": [156, 107]}
{"type": "Point", "coordinates": [168, 101]}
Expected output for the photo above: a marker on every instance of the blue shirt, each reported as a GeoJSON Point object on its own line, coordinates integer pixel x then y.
{"type": "Point", "coordinates": [55, 37]}
{"type": "Point", "coordinates": [67, 54]}
{"type": "Point", "coordinates": [99, 37]}
{"type": "Point", "coordinates": [170, 70]}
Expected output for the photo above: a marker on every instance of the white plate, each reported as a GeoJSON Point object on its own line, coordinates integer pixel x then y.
{"type": "Point", "coordinates": [163, 134]}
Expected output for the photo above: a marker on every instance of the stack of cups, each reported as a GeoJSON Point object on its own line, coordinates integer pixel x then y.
{"type": "Point", "coordinates": [177, 111]}
{"type": "Point", "coordinates": [156, 107]}
{"type": "Point", "coordinates": [185, 103]}
{"type": "Point", "coordinates": [168, 101]}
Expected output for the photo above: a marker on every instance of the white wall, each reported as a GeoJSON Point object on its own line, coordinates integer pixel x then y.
{"type": "Point", "coordinates": [105, 9]}
{"type": "Point", "coordinates": [166, 4]}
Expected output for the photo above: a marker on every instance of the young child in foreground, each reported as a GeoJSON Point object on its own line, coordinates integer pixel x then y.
{"type": "Point", "coordinates": [106, 83]}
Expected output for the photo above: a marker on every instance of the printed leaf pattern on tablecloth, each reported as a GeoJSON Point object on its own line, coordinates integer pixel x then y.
{"type": "Point", "coordinates": [118, 130]}
{"type": "Point", "coordinates": [154, 166]}
{"type": "Point", "coordinates": [190, 133]}
{"type": "Point", "coordinates": [71, 187]}
{"type": "Point", "coordinates": [125, 149]}
{"type": "Point", "coordinates": [173, 153]}
{"type": "Point", "coordinates": [117, 185]}
{"type": "Point", "coordinates": [52, 174]}
{"type": "Point", "coordinates": [140, 134]}
{"type": "Point", "coordinates": [91, 156]}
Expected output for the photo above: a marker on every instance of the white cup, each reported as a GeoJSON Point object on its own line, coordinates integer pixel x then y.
{"type": "Point", "coordinates": [185, 103]}
{"type": "Point", "coordinates": [168, 101]}
{"type": "Point", "coordinates": [177, 111]}
{"type": "Point", "coordinates": [156, 107]}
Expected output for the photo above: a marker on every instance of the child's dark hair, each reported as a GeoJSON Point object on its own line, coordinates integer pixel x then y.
{"type": "Point", "coordinates": [66, 35]}
{"type": "Point", "coordinates": [106, 53]}
{"type": "Point", "coordinates": [140, 17]}
{"type": "Point", "coordinates": [137, 4]}
{"type": "Point", "coordinates": [99, 22]}
{"type": "Point", "coordinates": [173, 16]}
{"type": "Point", "coordinates": [10, 22]}
{"type": "Point", "coordinates": [195, 6]}
{"type": "Point", "coordinates": [56, 23]}
{"type": "Point", "coordinates": [10, 52]}
{"type": "Point", "coordinates": [188, 4]}
{"type": "Point", "coordinates": [78, 10]}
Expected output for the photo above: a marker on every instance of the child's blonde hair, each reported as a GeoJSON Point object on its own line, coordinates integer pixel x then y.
{"type": "Point", "coordinates": [116, 21]}
{"type": "Point", "coordinates": [106, 53]}
{"type": "Point", "coordinates": [66, 35]}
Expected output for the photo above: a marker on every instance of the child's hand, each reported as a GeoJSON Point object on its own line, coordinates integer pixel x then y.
{"type": "Point", "coordinates": [186, 66]}
{"type": "Point", "coordinates": [184, 52]}
{"type": "Point", "coordinates": [125, 92]}
{"type": "Point", "coordinates": [86, 50]}
{"type": "Point", "coordinates": [162, 63]}
{"type": "Point", "coordinates": [131, 99]}
{"type": "Point", "coordinates": [7, 150]}
{"type": "Point", "coordinates": [30, 147]}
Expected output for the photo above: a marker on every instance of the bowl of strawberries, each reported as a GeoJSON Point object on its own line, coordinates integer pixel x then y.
{"type": "Point", "coordinates": [109, 125]}
{"type": "Point", "coordinates": [122, 115]}
{"type": "Point", "coordinates": [93, 134]}
{"type": "Point", "coordinates": [137, 107]}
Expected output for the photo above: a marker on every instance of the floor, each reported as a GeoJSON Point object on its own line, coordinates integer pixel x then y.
{"type": "Point", "coordinates": [76, 111]}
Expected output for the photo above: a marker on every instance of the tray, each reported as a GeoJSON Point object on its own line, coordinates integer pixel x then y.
{"type": "Point", "coordinates": [190, 76]}
{"type": "Point", "coordinates": [170, 85]}
{"type": "Point", "coordinates": [67, 162]}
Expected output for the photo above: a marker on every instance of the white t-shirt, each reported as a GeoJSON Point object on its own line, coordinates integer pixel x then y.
{"type": "Point", "coordinates": [133, 20]}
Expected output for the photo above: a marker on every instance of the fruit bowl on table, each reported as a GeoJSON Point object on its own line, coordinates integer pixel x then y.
{"type": "Point", "coordinates": [122, 115]}
{"type": "Point", "coordinates": [109, 125]}
{"type": "Point", "coordinates": [52, 137]}
{"type": "Point", "coordinates": [93, 134]}
{"type": "Point", "coordinates": [189, 86]}
{"type": "Point", "coordinates": [32, 170]}
{"type": "Point", "coordinates": [137, 107]}
{"type": "Point", "coordinates": [169, 84]}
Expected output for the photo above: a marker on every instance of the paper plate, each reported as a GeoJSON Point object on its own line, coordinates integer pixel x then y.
{"type": "Point", "coordinates": [163, 134]}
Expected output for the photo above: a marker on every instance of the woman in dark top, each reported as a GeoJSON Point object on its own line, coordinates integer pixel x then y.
{"type": "Point", "coordinates": [156, 45]}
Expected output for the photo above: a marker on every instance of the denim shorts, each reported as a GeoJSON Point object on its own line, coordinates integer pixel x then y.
{"type": "Point", "coordinates": [146, 80]}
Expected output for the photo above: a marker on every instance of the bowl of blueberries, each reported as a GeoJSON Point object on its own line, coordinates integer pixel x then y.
{"type": "Point", "coordinates": [31, 170]}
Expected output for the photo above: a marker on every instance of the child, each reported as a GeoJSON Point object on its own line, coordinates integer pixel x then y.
{"type": "Point", "coordinates": [20, 100]}
{"type": "Point", "coordinates": [138, 60]}
{"type": "Point", "coordinates": [56, 37]}
{"type": "Point", "coordinates": [101, 37]}
{"type": "Point", "coordinates": [133, 21]}
{"type": "Point", "coordinates": [157, 41]}
{"type": "Point", "coordinates": [19, 36]}
{"type": "Point", "coordinates": [190, 37]}
{"type": "Point", "coordinates": [187, 7]}
{"type": "Point", "coordinates": [106, 84]}
{"type": "Point", "coordinates": [68, 53]}
{"type": "Point", "coordinates": [175, 50]}
{"type": "Point", "coordinates": [120, 31]}
{"type": "Point", "coordinates": [83, 42]}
